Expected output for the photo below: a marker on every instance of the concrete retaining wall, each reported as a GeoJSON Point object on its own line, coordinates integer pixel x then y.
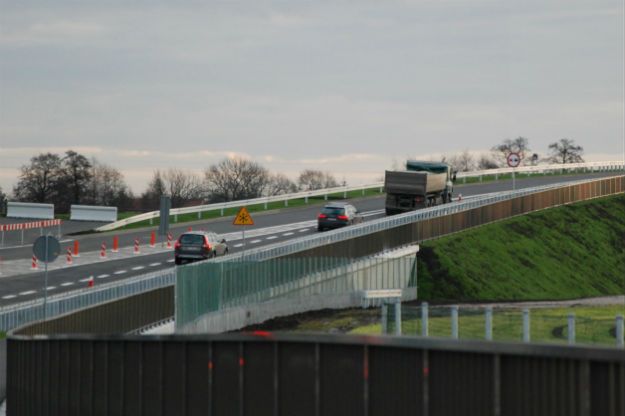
{"type": "Point", "coordinates": [93, 213]}
{"type": "Point", "coordinates": [30, 210]}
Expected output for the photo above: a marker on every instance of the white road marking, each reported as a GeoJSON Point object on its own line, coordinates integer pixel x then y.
{"type": "Point", "coordinates": [303, 230]}
{"type": "Point", "coordinates": [85, 279]}
{"type": "Point", "coordinates": [67, 284]}
{"type": "Point", "coordinates": [120, 272]}
{"type": "Point", "coordinates": [170, 261]}
{"type": "Point", "coordinates": [138, 268]}
{"type": "Point", "coordinates": [255, 241]}
{"type": "Point", "coordinates": [155, 264]}
{"type": "Point", "coordinates": [238, 245]}
{"type": "Point", "coordinates": [103, 276]}
{"type": "Point", "coordinates": [9, 296]}
{"type": "Point", "coordinates": [66, 241]}
{"type": "Point", "coordinates": [271, 237]}
{"type": "Point", "coordinates": [28, 292]}
{"type": "Point", "coordinates": [51, 287]}
{"type": "Point", "coordinates": [287, 234]}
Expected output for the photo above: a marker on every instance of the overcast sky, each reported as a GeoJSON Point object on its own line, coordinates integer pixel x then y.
{"type": "Point", "coordinates": [342, 86]}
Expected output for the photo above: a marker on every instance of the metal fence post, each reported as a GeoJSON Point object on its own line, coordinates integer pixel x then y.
{"type": "Point", "coordinates": [424, 319]}
{"type": "Point", "coordinates": [571, 329]}
{"type": "Point", "coordinates": [398, 318]}
{"type": "Point", "coordinates": [526, 325]}
{"type": "Point", "coordinates": [384, 318]}
{"type": "Point", "coordinates": [489, 323]}
{"type": "Point", "coordinates": [454, 322]}
{"type": "Point", "coordinates": [619, 331]}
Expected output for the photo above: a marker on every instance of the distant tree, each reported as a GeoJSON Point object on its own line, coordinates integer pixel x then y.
{"type": "Point", "coordinates": [565, 151]}
{"type": "Point", "coordinates": [73, 184]}
{"type": "Point", "coordinates": [39, 181]}
{"type": "Point", "coordinates": [311, 180]}
{"type": "Point", "coordinates": [534, 159]}
{"type": "Point", "coordinates": [150, 199]}
{"type": "Point", "coordinates": [462, 162]}
{"type": "Point", "coordinates": [486, 162]}
{"type": "Point", "coordinates": [519, 145]}
{"type": "Point", "coordinates": [235, 179]}
{"type": "Point", "coordinates": [182, 186]}
{"type": "Point", "coordinates": [3, 202]}
{"type": "Point", "coordinates": [108, 187]}
{"type": "Point", "coordinates": [280, 184]}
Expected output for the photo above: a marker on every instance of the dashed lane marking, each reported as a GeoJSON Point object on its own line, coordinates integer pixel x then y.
{"type": "Point", "coordinates": [287, 234]}
{"type": "Point", "coordinates": [120, 272]}
{"type": "Point", "coordinates": [271, 237]}
{"type": "Point", "coordinates": [155, 264]}
{"type": "Point", "coordinates": [303, 230]}
{"type": "Point", "coordinates": [255, 241]}
{"type": "Point", "coordinates": [103, 276]}
{"type": "Point", "coordinates": [9, 296]}
{"type": "Point", "coordinates": [67, 284]}
{"type": "Point", "coordinates": [238, 245]}
{"type": "Point", "coordinates": [28, 292]}
{"type": "Point", "coordinates": [170, 261]}
{"type": "Point", "coordinates": [51, 287]}
{"type": "Point", "coordinates": [138, 268]}
{"type": "Point", "coordinates": [85, 279]}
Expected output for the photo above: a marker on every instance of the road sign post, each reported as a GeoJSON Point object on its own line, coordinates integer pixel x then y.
{"type": "Point", "coordinates": [514, 160]}
{"type": "Point", "coordinates": [48, 249]}
{"type": "Point", "coordinates": [163, 227]}
{"type": "Point", "coordinates": [243, 218]}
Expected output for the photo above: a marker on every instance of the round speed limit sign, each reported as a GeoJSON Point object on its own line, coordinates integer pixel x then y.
{"type": "Point", "coordinates": [514, 160]}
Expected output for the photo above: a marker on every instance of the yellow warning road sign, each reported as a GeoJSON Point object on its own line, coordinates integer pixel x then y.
{"type": "Point", "coordinates": [243, 217]}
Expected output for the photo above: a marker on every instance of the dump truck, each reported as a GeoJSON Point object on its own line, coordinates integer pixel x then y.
{"type": "Point", "coordinates": [421, 185]}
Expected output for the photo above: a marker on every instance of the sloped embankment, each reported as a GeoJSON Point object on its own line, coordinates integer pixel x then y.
{"type": "Point", "coordinates": [567, 252]}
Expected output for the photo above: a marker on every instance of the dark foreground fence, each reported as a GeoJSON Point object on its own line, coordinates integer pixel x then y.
{"type": "Point", "coordinates": [279, 374]}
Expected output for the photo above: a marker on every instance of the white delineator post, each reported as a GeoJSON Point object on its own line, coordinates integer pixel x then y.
{"type": "Point", "coordinates": [424, 319]}
{"type": "Point", "coordinates": [454, 322]}
{"type": "Point", "coordinates": [526, 325]}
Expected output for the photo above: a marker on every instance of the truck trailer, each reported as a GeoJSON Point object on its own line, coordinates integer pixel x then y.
{"type": "Point", "coordinates": [421, 185]}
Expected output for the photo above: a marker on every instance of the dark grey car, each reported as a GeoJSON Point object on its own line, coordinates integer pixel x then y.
{"type": "Point", "coordinates": [338, 215]}
{"type": "Point", "coordinates": [199, 245]}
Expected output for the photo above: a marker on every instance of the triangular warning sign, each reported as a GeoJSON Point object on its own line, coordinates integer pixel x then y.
{"type": "Point", "coordinates": [243, 217]}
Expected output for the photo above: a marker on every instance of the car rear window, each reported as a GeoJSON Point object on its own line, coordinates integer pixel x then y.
{"type": "Point", "coordinates": [193, 239]}
{"type": "Point", "coordinates": [333, 211]}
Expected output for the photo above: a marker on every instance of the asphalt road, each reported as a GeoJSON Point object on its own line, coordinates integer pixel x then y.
{"type": "Point", "coordinates": [28, 286]}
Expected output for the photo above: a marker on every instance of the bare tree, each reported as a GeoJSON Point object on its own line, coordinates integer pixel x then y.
{"type": "Point", "coordinates": [280, 184]}
{"type": "Point", "coordinates": [150, 199]}
{"type": "Point", "coordinates": [565, 151]}
{"type": "Point", "coordinates": [311, 180]}
{"type": "Point", "coordinates": [182, 186]}
{"type": "Point", "coordinates": [38, 182]}
{"type": "Point", "coordinates": [519, 145]}
{"type": "Point", "coordinates": [3, 202]}
{"type": "Point", "coordinates": [486, 161]}
{"type": "Point", "coordinates": [462, 162]}
{"type": "Point", "coordinates": [235, 179]}
{"type": "Point", "coordinates": [73, 181]}
{"type": "Point", "coordinates": [108, 187]}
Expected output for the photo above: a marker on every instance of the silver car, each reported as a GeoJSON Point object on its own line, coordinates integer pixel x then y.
{"type": "Point", "coordinates": [198, 245]}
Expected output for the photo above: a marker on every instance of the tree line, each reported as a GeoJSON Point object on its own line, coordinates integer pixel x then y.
{"type": "Point", "coordinates": [72, 178]}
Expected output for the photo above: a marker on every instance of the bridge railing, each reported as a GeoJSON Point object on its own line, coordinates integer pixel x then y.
{"type": "Point", "coordinates": [589, 166]}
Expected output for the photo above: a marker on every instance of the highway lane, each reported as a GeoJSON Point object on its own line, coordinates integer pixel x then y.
{"type": "Point", "coordinates": [92, 242]}
{"type": "Point", "coordinates": [14, 289]}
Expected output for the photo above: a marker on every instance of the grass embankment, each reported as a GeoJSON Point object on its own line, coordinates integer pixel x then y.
{"type": "Point", "coordinates": [567, 252]}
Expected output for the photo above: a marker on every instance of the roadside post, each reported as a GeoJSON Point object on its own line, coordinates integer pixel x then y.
{"type": "Point", "coordinates": [514, 160]}
{"type": "Point", "coordinates": [243, 218]}
{"type": "Point", "coordinates": [46, 248]}
{"type": "Point", "coordinates": [163, 227]}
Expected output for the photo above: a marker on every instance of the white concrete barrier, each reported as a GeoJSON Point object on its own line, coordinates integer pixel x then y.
{"type": "Point", "coordinates": [93, 213]}
{"type": "Point", "coordinates": [30, 210]}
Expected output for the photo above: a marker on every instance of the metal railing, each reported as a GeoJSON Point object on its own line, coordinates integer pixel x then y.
{"type": "Point", "coordinates": [589, 166]}
{"type": "Point", "coordinates": [309, 374]}
{"type": "Point", "coordinates": [538, 324]}
{"type": "Point", "coordinates": [18, 315]}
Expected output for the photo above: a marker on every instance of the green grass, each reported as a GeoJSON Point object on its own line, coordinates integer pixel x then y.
{"type": "Point", "coordinates": [562, 253]}
{"type": "Point", "coordinates": [230, 212]}
{"type": "Point", "coordinates": [593, 325]}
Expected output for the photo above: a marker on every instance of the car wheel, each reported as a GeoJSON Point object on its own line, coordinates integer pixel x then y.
{"type": "Point", "coordinates": [178, 261]}
{"type": "Point", "coordinates": [226, 251]}
{"type": "Point", "coordinates": [320, 229]}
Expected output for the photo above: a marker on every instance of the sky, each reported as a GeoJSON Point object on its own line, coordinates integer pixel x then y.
{"type": "Point", "coordinates": [348, 87]}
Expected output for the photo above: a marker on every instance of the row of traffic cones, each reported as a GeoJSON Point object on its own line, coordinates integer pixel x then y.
{"type": "Point", "coordinates": [70, 254]}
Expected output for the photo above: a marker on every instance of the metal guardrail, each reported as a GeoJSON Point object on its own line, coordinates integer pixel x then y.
{"type": "Point", "coordinates": [18, 315]}
{"type": "Point", "coordinates": [309, 374]}
{"type": "Point", "coordinates": [592, 166]}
